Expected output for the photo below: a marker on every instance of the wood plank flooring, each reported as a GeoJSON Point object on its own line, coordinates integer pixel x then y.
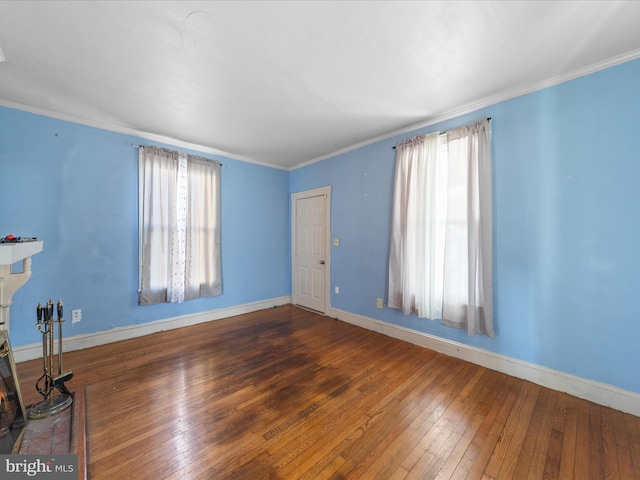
{"type": "Point", "coordinates": [288, 394]}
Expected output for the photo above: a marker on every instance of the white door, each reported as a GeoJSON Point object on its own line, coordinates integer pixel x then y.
{"type": "Point", "coordinates": [310, 262]}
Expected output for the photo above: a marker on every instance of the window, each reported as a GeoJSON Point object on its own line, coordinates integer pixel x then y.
{"type": "Point", "coordinates": [179, 202]}
{"type": "Point", "coordinates": [440, 264]}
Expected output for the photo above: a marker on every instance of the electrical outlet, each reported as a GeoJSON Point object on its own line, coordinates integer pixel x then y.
{"type": "Point", "coordinates": [379, 302]}
{"type": "Point", "coordinates": [76, 316]}
{"type": "Point", "coordinates": [336, 289]}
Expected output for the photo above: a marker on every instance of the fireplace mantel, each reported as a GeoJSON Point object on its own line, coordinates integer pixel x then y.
{"type": "Point", "coordinates": [11, 253]}
{"type": "Point", "coordinates": [10, 282]}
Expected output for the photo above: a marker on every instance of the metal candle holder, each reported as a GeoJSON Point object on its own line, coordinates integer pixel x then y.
{"type": "Point", "coordinates": [49, 381]}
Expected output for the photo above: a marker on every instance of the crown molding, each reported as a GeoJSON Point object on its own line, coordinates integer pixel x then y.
{"type": "Point", "coordinates": [483, 103]}
{"type": "Point", "coordinates": [134, 133]}
{"type": "Point", "coordinates": [457, 112]}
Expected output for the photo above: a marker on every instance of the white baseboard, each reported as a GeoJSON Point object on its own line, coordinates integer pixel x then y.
{"type": "Point", "coordinates": [34, 350]}
{"type": "Point", "coordinates": [601, 393]}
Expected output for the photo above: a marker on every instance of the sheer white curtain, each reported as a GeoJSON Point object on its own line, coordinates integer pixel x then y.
{"type": "Point", "coordinates": [179, 226]}
{"type": "Point", "coordinates": [417, 240]}
{"type": "Point", "coordinates": [203, 274]}
{"type": "Point", "coordinates": [468, 277]}
{"type": "Point", "coordinates": [440, 264]}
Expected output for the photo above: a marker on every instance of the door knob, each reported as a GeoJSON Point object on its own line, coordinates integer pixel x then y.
{"type": "Point", "coordinates": [321, 262]}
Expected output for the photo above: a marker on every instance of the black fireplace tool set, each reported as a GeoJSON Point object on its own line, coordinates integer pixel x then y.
{"type": "Point", "coordinates": [53, 378]}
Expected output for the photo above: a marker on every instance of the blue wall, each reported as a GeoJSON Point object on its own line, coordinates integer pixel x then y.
{"type": "Point", "coordinates": [566, 227]}
{"type": "Point", "coordinates": [566, 224]}
{"type": "Point", "coordinates": [76, 188]}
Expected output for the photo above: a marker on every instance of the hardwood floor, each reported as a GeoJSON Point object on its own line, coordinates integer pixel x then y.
{"type": "Point", "coordinates": [287, 394]}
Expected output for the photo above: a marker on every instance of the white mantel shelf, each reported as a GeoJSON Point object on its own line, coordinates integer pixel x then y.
{"type": "Point", "coordinates": [10, 282]}
{"type": "Point", "coordinates": [11, 253]}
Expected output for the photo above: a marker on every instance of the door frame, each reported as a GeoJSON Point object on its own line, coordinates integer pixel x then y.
{"type": "Point", "coordinates": [316, 192]}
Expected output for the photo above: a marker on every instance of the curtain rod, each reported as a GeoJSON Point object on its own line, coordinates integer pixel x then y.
{"type": "Point", "coordinates": [135, 145]}
{"type": "Point", "coordinates": [394, 147]}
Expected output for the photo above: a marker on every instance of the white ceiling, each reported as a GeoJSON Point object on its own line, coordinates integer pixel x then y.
{"type": "Point", "coordinates": [285, 83]}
